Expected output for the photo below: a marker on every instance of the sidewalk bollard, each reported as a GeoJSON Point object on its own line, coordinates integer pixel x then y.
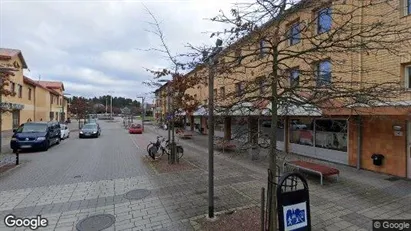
{"type": "Point", "coordinates": [17, 156]}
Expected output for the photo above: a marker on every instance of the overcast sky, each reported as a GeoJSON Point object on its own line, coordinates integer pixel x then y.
{"type": "Point", "coordinates": [93, 46]}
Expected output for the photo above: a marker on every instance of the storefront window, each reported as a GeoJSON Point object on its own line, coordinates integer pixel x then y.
{"type": "Point", "coordinates": [239, 128]}
{"type": "Point", "coordinates": [302, 132]}
{"type": "Point", "coordinates": [265, 128]}
{"type": "Point", "coordinates": [331, 134]}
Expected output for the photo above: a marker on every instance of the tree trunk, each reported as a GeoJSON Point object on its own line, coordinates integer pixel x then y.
{"type": "Point", "coordinates": [272, 197]}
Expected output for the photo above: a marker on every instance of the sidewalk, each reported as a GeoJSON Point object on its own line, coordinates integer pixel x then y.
{"type": "Point", "coordinates": [349, 204]}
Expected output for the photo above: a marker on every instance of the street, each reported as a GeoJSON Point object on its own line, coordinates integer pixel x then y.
{"type": "Point", "coordinates": [84, 177]}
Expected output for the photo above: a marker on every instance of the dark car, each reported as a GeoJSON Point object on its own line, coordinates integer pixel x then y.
{"type": "Point", "coordinates": [35, 135]}
{"type": "Point", "coordinates": [90, 130]}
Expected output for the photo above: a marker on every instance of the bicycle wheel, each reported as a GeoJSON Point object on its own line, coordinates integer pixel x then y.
{"type": "Point", "coordinates": [149, 146]}
{"type": "Point", "coordinates": [180, 152]}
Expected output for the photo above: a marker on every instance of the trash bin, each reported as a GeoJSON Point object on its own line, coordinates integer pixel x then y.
{"type": "Point", "coordinates": [377, 159]}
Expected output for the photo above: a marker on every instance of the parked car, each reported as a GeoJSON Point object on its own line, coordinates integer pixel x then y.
{"type": "Point", "coordinates": [35, 135]}
{"type": "Point", "coordinates": [90, 130]}
{"type": "Point", "coordinates": [65, 131]}
{"type": "Point", "coordinates": [135, 129]}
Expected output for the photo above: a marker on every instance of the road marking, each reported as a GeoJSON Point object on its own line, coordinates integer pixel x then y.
{"type": "Point", "coordinates": [134, 142]}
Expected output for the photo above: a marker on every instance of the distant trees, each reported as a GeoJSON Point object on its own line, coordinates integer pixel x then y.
{"type": "Point", "coordinates": [102, 104]}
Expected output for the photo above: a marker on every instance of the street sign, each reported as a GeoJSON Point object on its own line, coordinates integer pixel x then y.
{"type": "Point", "coordinates": [293, 206]}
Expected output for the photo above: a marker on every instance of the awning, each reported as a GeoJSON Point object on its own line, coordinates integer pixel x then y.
{"type": "Point", "coordinates": [201, 111]}
{"type": "Point", "coordinates": [294, 110]}
{"type": "Point", "coordinates": [240, 109]}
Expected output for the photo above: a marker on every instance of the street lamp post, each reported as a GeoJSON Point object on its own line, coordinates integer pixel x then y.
{"type": "Point", "coordinates": [111, 104]}
{"type": "Point", "coordinates": [211, 63]}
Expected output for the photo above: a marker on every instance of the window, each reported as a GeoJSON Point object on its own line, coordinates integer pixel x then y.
{"type": "Point", "coordinates": [323, 73]}
{"type": "Point", "coordinates": [407, 74]}
{"type": "Point", "coordinates": [13, 87]}
{"type": "Point", "coordinates": [20, 91]}
{"type": "Point", "coordinates": [261, 84]}
{"type": "Point", "coordinates": [262, 48]}
{"type": "Point", "coordinates": [408, 7]}
{"type": "Point", "coordinates": [51, 100]}
{"type": "Point", "coordinates": [324, 20]}
{"type": "Point", "coordinates": [51, 115]}
{"type": "Point", "coordinates": [294, 34]}
{"type": "Point", "coordinates": [222, 92]}
{"type": "Point", "coordinates": [294, 77]}
{"type": "Point", "coordinates": [239, 88]}
{"type": "Point", "coordinates": [29, 94]}
{"type": "Point", "coordinates": [238, 57]}
{"type": "Point", "coordinates": [61, 102]}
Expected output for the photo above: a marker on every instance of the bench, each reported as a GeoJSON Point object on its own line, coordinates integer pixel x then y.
{"type": "Point", "coordinates": [226, 145]}
{"type": "Point", "coordinates": [184, 134]}
{"type": "Point", "coordinates": [322, 170]}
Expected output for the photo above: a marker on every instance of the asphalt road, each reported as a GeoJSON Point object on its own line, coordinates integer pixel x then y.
{"type": "Point", "coordinates": [113, 155]}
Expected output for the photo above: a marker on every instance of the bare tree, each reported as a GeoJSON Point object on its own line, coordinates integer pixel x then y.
{"type": "Point", "coordinates": [309, 54]}
{"type": "Point", "coordinates": [180, 82]}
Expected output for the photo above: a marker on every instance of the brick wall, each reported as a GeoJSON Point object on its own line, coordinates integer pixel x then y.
{"type": "Point", "coordinates": [378, 137]}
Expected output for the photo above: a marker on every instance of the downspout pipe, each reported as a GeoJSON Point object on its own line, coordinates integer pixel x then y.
{"type": "Point", "coordinates": [359, 141]}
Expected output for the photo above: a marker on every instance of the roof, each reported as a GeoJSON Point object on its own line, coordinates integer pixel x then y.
{"type": "Point", "coordinates": [7, 53]}
{"type": "Point", "coordinates": [52, 84]}
{"type": "Point", "coordinates": [34, 83]}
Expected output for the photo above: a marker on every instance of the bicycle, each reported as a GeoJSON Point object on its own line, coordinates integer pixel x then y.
{"type": "Point", "coordinates": [154, 147]}
{"type": "Point", "coordinates": [164, 146]}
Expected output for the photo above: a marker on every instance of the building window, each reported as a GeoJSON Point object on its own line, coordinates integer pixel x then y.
{"type": "Point", "coordinates": [16, 119]}
{"type": "Point", "coordinates": [407, 74]}
{"type": "Point", "coordinates": [323, 73]}
{"type": "Point", "coordinates": [61, 102]}
{"type": "Point", "coordinates": [238, 57]}
{"type": "Point", "coordinates": [324, 20]}
{"type": "Point", "coordinates": [51, 115]}
{"type": "Point", "coordinates": [262, 48]}
{"type": "Point", "coordinates": [20, 91]}
{"type": "Point", "coordinates": [408, 7]}
{"type": "Point", "coordinates": [261, 84]}
{"type": "Point", "coordinates": [29, 93]}
{"type": "Point", "coordinates": [294, 34]}
{"type": "Point", "coordinates": [51, 99]}
{"type": "Point", "coordinates": [222, 92]}
{"type": "Point", "coordinates": [13, 87]}
{"type": "Point", "coordinates": [294, 77]}
{"type": "Point", "coordinates": [239, 88]}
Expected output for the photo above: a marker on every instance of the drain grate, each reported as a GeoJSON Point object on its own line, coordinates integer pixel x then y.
{"type": "Point", "coordinates": [137, 194]}
{"type": "Point", "coordinates": [393, 178]}
{"type": "Point", "coordinates": [96, 222]}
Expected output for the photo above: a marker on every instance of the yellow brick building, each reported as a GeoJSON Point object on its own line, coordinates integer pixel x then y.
{"type": "Point", "coordinates": [384, 129]}
{"type": "Point", "coordinates": [33, 100]}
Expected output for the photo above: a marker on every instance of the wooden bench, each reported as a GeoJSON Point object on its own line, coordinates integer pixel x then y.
{"type": "Point", "coordinates": [226, 145]}
{"type": "Point", "coordinates": [322, 170]}
{"type": "Point", "coordinates": [184, 134]}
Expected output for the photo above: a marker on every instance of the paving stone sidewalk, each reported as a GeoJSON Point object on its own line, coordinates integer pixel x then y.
{"type": "Point", "coordinates": [349, 204]}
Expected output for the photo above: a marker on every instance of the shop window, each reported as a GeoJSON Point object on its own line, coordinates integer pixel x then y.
{"type": "Point", "coordinates": [302, 131]}
{"type": "Point", "coordinates": [331, 134]}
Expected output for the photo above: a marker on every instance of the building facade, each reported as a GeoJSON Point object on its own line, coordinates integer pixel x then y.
{"type": "Point", "coordinates": [32, 100]}
{"type": "Point", "coordinates": [345, 135]}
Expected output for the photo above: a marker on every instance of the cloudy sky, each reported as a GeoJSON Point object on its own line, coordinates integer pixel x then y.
{"type": "Point", "coordinates": [97, 47]}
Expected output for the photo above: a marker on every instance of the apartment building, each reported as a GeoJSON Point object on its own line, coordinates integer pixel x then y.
{"type": "Point", "coordinates": [348, 135]}
{"type": "Point", "coordinates": [33, 100]}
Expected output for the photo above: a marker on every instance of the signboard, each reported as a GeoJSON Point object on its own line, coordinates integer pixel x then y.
{"type": "Point", "coordinates": [293, 206]}
{"type": "Point", "coordinates": [11, 106]}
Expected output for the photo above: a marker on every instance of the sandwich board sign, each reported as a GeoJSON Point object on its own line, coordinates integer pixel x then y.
{"type": "Point", "coordinates": [293, 206]}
